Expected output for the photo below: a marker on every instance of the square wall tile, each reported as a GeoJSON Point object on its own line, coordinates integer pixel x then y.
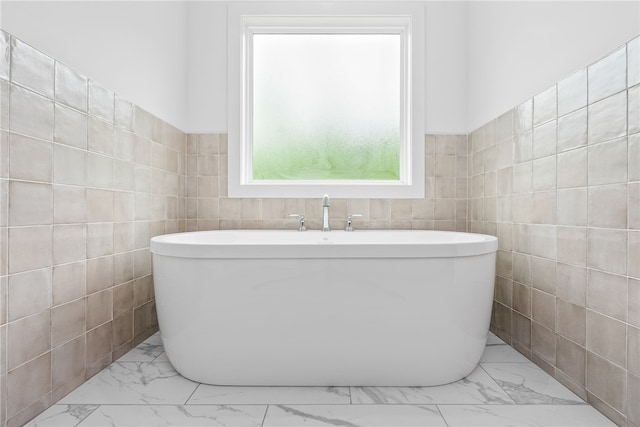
{"type": "Point", "coordinates": [608, 206]}
{"type": "Point", "coordinates": [572, 92]}
{"type": "Point", "coordinates": [608, 118]}
{"type": "Point", "coordinates": [572, 206]}
{"type": "Point", "coordinates": [67, 361]}
{"type": "Point", "coordinates": [607, 294]}
{"type": "Point", "coordinates": [99, 274]}
{"type": "Point", "coordinates": [634, 157]}
{"type": "Point", "coordinates": [28, 383]}
{"type": "Point", "coordinates": [99, 239]}
{"type": "Point", "coordinates": [608, 162]}
{"type": "Point", "coordinates": [543, 308]}
{"type": "Point", "coordinates": [572, 168]}
{"type": "Point", "coordinates": [607, 250]}
{"type": "Point", "coordinates": [633, 351]}
{"type": "Point", "coordinates": [99, 170]}
{"type": "Point", "coordinates": [69, 165]}
{"type": "Point", "coordinates": [31, 114]}
{"type": "Point", "coordinates": [99, 308]}
{"type": "Point", "coordinates": [69, 282]}
{"type": "Point", "coordinates": [30, 248]}
{"type": "Point", "coordinates": [71, 87]}
{"type": "Point", "coordinates": [101, 102]}
{"type": "Point", "coordinates": [572, 284]}
{"type": "Point", "coordinates": [633, 62]}
{"type": "Point", "coordinates": [607, 338]}
{"type": "Point", "coordinates": [572, 245]}
{"type": "Point", "coordinates": [544, 106]}
{"type": "Point", "coordinates": [68, 321]}
{"type": "Point", "coordinates": [544, 140]}
{"type": "Point", "coordinates": [69, 243]}
{"type": "Point", "coordinates": [572, 130]}
{"type": "Point", "coordinates": [543, 274]}
{"type": "Point", "coordinates": [70, 127]}
{"type": "Point", "coordinates": [608, 76]}
{"type": "Point", "coordinates": [30, 158]}
{"type": "Point", "coordinates": [544, 174]}
{"type": "Point", "coordinates": [634, 254]}
{"type": "Point", "coordinates": [69, 204]}
{"type": "Point", "coordinates": [633, 395]}
{"type": "Point", "coordinates": [28, 338]}
{"type": "Point", "coordinates": [633, 112]}
{"type": "Point", "coordinates": [123, 115]}
{"type": "Point", "coordinates": [571, 359]}
{"type": "Point", "coordinates": [31, 68]}
{"type": "Point", "coordinates": [98, 353]}
{"type": "Point", "coordinates": [543, 343]}
{"type": "Point", "coordinates": [5, 55]}
{"type": "Point", "coordinates": [572, 322]}
{"type": "Point", "coordinates": [29, 293]}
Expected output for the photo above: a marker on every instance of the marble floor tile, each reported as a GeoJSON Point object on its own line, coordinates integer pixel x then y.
{"type": "Point", "coordinates": [221, 395]}
{"type": "Point", "coordinates": [134, 383]}
{"type": "Point", "coordinates": [170, 415]}
{"type": "Point", "coordinates": [502, 353]}
{"type": "Point", "coordinates": [523, 416]}
{"type": "Point", "coordinates": [492, 339]}
{"type": "Point", "coordinates": [528, 384]}
{"type": "Point", "coordinates": [146, 351]}
{"type": "Point", "coordinates": [62, 416]}
{"type": "Point", "coordinates": [353, 416]}
{"type": "Point", "coordinates": [477, 387]}
{"type": "Point", "coordinates": [162, 358]}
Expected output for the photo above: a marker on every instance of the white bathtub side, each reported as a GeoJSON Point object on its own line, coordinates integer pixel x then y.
{"type": "Point", "coordinates": [324, 322]}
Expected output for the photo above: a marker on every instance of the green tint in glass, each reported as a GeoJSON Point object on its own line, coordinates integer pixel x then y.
{"type": "Point", "coordinates": [326, 107]}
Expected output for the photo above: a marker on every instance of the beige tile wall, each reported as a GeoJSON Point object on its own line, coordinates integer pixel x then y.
{"type": "Point", "coordinates": [444, 206]}
{"type": "Point", "coordinates": [557, 179]}
{"type": "Point", "coordinates": [85, 179]}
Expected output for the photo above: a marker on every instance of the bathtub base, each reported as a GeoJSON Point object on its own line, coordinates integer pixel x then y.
{"type": "Point", "coordinates": [324, 322]}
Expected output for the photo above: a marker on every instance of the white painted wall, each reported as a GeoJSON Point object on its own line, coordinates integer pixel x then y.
{"type": "Point", "coordinates": [136, 49]}
{"type": "Point", "coordinates": [518, 49]}
{"type": "Point", "coordinates": [207, 67]}
{"type": "Point", "coordinates": [446, 67]}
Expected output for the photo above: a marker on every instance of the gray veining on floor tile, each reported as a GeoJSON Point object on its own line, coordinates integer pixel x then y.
{"type": "Point", "coordinates": [62, 415]}
{"type": "Point", "coordinates": [523, 416]}
{"type": "Point", "coordinates": [526, 383]}
{"type": "Point", "coordinates": [217, 395]}
{"type": "Point", "coordinates": [162, 358]}
{"type": "Point", "coordinates": [134, 383]}
{"type": "Point", "coordinates": [146, 351]}
{"type": "Point", "coordinates": [353, 416]}
{"type": "Point", "coordinates": [170, 415]}
{"type": "Point", "coordinates": [477, 387]}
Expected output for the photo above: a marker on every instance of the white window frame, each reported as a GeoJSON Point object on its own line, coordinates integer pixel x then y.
{"type": "Point", "coordinates": [248, 18]}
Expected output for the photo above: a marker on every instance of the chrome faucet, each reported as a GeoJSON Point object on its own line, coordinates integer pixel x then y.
{"type": "Point", "coordinates": [325, 213]}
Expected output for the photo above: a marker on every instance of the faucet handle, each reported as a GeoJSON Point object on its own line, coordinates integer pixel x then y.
{"type": "Point", "coordinates": [350, 220]}
{"type": "Point", "coordinates": [301, 227]}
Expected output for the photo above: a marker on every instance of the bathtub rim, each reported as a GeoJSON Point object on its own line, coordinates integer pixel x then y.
{"type": "Point", "coordinates": [320, 245]}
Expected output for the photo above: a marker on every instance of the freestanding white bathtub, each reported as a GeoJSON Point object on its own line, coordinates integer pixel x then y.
{"type": "Point", "coordinates": [364, 308]}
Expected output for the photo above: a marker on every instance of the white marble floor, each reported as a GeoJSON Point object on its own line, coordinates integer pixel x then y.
{"type": "Point", "coordinates": [142, 389]}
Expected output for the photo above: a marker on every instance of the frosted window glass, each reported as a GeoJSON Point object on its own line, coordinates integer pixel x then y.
{"type": "Point", "coordinates": [326, 107]}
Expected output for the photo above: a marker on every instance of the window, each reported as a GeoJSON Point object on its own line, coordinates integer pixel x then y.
{"type": "Point", "coordinates": [326, 98]}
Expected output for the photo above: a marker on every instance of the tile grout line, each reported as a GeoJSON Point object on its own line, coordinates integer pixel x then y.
{"type": "Point", "coordinates": [265, 415]}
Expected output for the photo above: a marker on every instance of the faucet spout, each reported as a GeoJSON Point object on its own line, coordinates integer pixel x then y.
{"type": "Point", "coordinates": [325, 213]}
